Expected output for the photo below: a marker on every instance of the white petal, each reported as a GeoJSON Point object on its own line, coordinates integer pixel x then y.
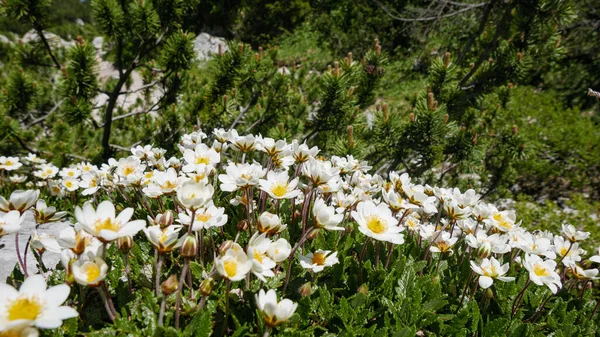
{"type": "Point", "coordinates": [35, 284]}
{"type": "Point", "coordinates": [485, 282]}
{"type": "Point", "coordinates": [57, 295]}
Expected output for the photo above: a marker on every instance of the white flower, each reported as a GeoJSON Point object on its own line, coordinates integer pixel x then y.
{"type": "Point", "coordinates": [89, 272]}
{"type": "Point", "coordinates": [10, 222]}
{"type": "Point", "coordinates": [69, 173]}
{"type": "Point", "coordinates": [79, 241]}
{"type": "Point", "coordinates": [130, 170]}
{"type": "Point", "coordinates": [274, 313]}
{"type": "Point", "coordinates": [242, 143]}
{"type": "Point", "coordinates": [567, 250]}
{"type": "Point", "coordinates": [302, 153]}
{"type": "Point", "coordinates": [194, 195]}
{"type": "Point", "coordinates": [504, 221]}
{"type": "Point", "coordinates": [34, 159]}
{"type": "Point", "coordinates": [34, 305]}
{"type": "Point", "coordinates": [536, 245]}
{"type": "Point", "coordinates": [318, 260]}
{"type": "Point", "coordinates": [272, 147]}
{"type": "Point", "coordinates": [17, 178]}
{"type": "Point", "coordinates": [596, 258]}
{"type": "Point", "coordinates": [490, 270]}
{"type": "Point", "coordinates": [583, 274]}
{"type": "Point", "coordinates": [240, 176]}
{"type": "Point", "coordinates": [492, 244]}
{"type": "Point", "coordinates": [257, 250]}
{"type": "Point", "coordinates": [46, 171]}
{"type": "Point", "coordinates": [326, 217]}
{"type": "Point", "coordinates": [19, 201]}
{"type": "Point", "coordinates": [443, 243]}
{"type": "Point", "coordinates": [279, 250]}
{"type": "Point", "coordinates": [10, 163]}
{"type": "Point", "coordinates": [270, 223]}
{"type": "Point", "coordinates": [164, 239]}
{"type": "Point", "coordinates": [542, 272]}
{"type": "Point", "coordinates": [70, 184]}
{"type": "Point", "coordinates": [20, 331]}
{"type": "Point", "coordinates": [201, 155]}
{"type": "Point", "coordinates": [319, 172]}
{"type": "Point", "coordinates": [44, 214]}
{"type": "Point", "coordinates": [90, 182]}
{"type": "Point", "coordinates": [103, 223]}
{"type": "Point", "coordinates": [573, 234]}
{"type": "Point", "coordinates": [206, 217]}
{"type": "Point", "coordinates": [234, 265]}
{"type": "Point", "coordinates": [44, 241]}
{"type": "Point", "coordinates": [377, 222]}
{"type": "Point", "coordinates": [278, 187]}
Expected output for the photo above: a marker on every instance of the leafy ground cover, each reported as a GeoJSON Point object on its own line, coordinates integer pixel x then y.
{"type": "Point", "coordinates": [256, 236]}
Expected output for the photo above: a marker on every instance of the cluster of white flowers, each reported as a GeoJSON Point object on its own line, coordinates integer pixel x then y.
{"type": "Point", "coordinates": [258, 175]}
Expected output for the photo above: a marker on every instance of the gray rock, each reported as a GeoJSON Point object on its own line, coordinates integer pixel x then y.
{"type": "Point", "coordinates": [8, 255]}
{"type": "Point", "coordinates": [206, 45]}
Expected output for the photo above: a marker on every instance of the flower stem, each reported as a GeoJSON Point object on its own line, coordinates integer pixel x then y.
{"type": "Point", "coordinates": [226, 305]}
{"type": "Point", "coordinates": [159, 264]}
{"type": "Point", "coordinates": [128, 273]}
{"type": "Point", "coordinates": [519, 298]}
{"type": "Point", "coordinates": [186, 265]}
{"type": "Point", "coordinates": [21, 263]}
{"type": "Point", "coordinates": [111, 315]}
{"type": "Point", "coordinates": [161, 313]}
{"type": "Point", "coordinates": [291, 258]}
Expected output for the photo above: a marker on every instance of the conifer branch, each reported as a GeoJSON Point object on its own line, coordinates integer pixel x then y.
{"type": "Point", "coordinates": [427, 18]}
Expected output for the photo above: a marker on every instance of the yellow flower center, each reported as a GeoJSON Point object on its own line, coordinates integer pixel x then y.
{"type": "Point", "coordinates": [230, 268]}
{"type": "Point", "coordinates": [202, 160]}
{"type": "Point", "coordinates": [540, 270]}
{"type": "Point", "coordinates": [279, 189]}
{"type": "Point", "coordinates": [319, 258]}
{"type": "Point", "coordinates": [107, 224]}
{"type": "Point", "coordinates": [92, 272]}
{"type": "Point", "coordinates": [11, 333]}
{"type": "Point", "coordinates": [8, 163]}
{"type": "Point", "coordinates": [443, 246]}
{"type": "Point", "coordinates": [68, 184]}
{"type": "Point", "coordinates": [127, 170]}
{"type": "Point", "coordinates": [169, 185]}
{"type": "Point", "coordinates": [258, 256]}
{"type": "Point", "coordinates": [27, 308]}
{"type": "Point", "coordinates": [71, 174]}
{"type": "Point", "coordinates": [203, 217]}
{"type": "Point", "coordinates": [376, 224]}
{"type": "Point", "coordinates": [489, 271]}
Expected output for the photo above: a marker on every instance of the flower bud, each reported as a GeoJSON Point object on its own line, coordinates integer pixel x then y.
{"type": "Point", "coordinates": [206, 286]}
{"type": "Point", "coordinates": [313, 234]}
{"type": "Point", "coordinates": [489, 293]}
{"type": "Point", "coordinates": [484, 251]}
{"type": "Point", "coordinates": [242, 225]}
{"type": "Point", "coordinates": [224, 247]}
{"type": "Point", "coordinates": [364, 289]}
{"type": "Point", "coordinates": [170, 285]}
{"type": "Point", "coordinates": [165, 219]}
{"type": "Point", "coordinates": [305, 289]}
{"type": "Point", "coordinates": [189, 248]}
{"type": "Point", "coordinates": [125, 244]}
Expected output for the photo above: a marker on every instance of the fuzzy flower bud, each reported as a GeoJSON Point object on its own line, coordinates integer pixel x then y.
{"type": "Point", "coordinates": [125, 244]}
{"type": "Point", "coordinates": [206, 286]}
{"type": "Point", "coordinates": [170, 285]}
{"type": "Point", "coordinates": [189, 248]}
{"type": "Point", "coordinates": [224, 247]}
{"type": "Point", "coordinates": [305, 289]}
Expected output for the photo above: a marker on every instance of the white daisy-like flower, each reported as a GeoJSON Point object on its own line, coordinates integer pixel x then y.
{"type": "Point", "coordinates": [377, 222]}
{"type": "Point", "coordinates": [10, 163]}
{"type": "Point", "coordinates": [69, 172]}
{"type": "Point", "coordinates": [270, 223]}
{"type": "Point", "coordinates": [90, 182]}
{"type": "Point", "coordinates": [490, 270]}
{"type": "Point", "coordinates": [193, 195]}
{"type": "Point", "coordinates": [571, 233]}
{"type": "Point", "coordinates": [234, 265]}
{"type": "Point", "coordinates": [201, 155]}
{"type": "Point", "coordinates": [90, 270]}
{"type": "Point", "coordinates": [326, 217]}
{"type": "Point", "coordinates": [34, 305]}
{"type": "Point", "coordinates": [46, 171]}
{"type": "Point", "coordinates": [17, 178]}
{"type": "Point", "coordinates": [582, 274]}
{"type": "Point", "coordinates": [443, 243]}
{"type": "Point", "coordinates": [10, 222]}
{"type": "Point", "coordinates": [34, 159]}
{"type": "Point", "coordinates": [104, 224]}
{"type": "Point", "coordinates": [240, 176]}
{"type": "Point", "coordinates": [279, 250]}
{"type": "Point", "coordinates": [567, 250]}
{"type": "Point", "coordinates": [318, 260]}
{"type": "Point", "coordinates": [257, 250]}
{"type": "Point", "coordinates": [596, 258]}
{"type": "Point", "coordinates": [164, 239]}
{"type": "Point", "coordinates": [274, 312]}
{"type": "Point", "coordinates": [70, 184]}
{"type": "Point", "coordinates": [278, 186]}
{"type": "Point", "coordinates": [19, 201]}
{"type": "Point", "coordinates": [542, 272]}
{"type": "Point", "coordinates": [205, 218]}
{"type": "Point", "coordinates": [302, 153]}
{"type": "Point", "coordinates": [44, 214]}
